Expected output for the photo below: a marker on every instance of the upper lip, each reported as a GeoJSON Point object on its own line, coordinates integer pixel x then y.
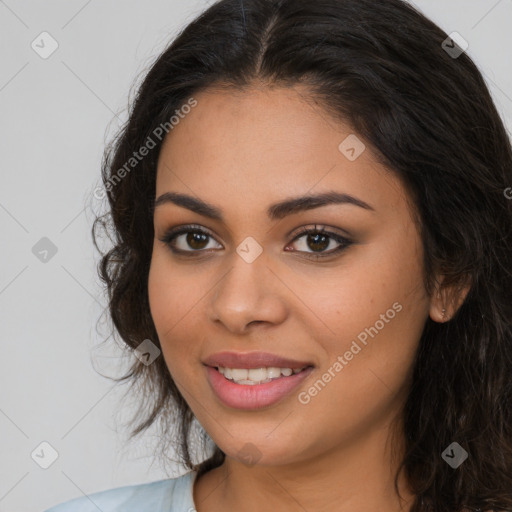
{"type": "Point", "coordinates": [252, 360]}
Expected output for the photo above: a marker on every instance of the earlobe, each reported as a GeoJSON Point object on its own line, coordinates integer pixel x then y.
{"type": "Point", "coordinates": [438, 313]}
{"type": "Point", "coordinates": [447, 300]}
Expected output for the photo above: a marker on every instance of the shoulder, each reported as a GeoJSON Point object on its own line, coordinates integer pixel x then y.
{"type": "Point", "coordinates": [159, 496]}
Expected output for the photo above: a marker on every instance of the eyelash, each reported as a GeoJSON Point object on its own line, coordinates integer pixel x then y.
{"type": "Point", "coordinates": [170, 236]}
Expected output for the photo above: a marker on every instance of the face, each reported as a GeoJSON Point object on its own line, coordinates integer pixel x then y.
{"type": "Point", "coordinates": [346, 299]}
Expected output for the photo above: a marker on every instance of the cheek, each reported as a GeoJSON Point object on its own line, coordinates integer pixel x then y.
{"type": "Point", "coordinates": [352, 296]}
{"type": "Point", "coordinates": [164, 307]}
{"type": "Point", "coordinates": [369, 359]}
{"type": "Point", "coordinates": [375, 308]}
{"type": "Point", "coordinates": [175, 296]}
{"type": "Point", "coordinates": [159, 293]}
{"type": "Point", "coordinates": [170, 293]}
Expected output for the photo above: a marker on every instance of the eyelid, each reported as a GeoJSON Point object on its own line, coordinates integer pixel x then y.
{"type": "Point", "coordinates": [295, 233]}
{"type": "Point", "coordinates": [171, 234]}
{"type": "Point", "coordinates": [321, 229]}
{"type": "Point", "coordinates": [343, 242]}
{"type": "Point", "coordinates": [187, 228]}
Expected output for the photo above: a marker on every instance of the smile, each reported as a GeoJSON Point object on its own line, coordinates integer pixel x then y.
{"type": "Point", "coordinates": [252, 376]}
{"type": "Point", "coordinates": [248, 394]}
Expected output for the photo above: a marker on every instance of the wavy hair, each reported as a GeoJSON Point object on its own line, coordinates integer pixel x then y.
{"type": "Point", "coordinates": [384, 68]}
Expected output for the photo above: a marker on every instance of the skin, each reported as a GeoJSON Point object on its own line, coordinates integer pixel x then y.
{"type": "Point", "coordinates": [241, 152]}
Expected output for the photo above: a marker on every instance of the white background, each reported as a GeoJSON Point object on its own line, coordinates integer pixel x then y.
{"type": "Point", "coordinates": [55, 117]}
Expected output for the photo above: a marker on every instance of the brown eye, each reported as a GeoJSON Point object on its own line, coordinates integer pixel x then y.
{"type": "Point", "coordinates": [187, 239]}
{"type": "Point", "coordinates": [196, 240]}
{"type": "Point", "coordinates": [317, 241]}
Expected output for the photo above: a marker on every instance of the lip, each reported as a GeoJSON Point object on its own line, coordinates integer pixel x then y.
{"type": "Point", "coordinates": [253, 360]}
{"type": "Point", "coordinates": [256, 396]}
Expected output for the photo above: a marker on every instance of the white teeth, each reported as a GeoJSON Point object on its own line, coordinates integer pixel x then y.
{"type": "Point", "coordinates": [273, 373]}
{"type": "Point", "coordinates": [256, 375]}
{"type": "Point", "coordinates": [239, 374]}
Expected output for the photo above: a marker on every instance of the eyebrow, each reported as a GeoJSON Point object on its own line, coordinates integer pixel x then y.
{"type": "Point", "coordinates": [274, 212]}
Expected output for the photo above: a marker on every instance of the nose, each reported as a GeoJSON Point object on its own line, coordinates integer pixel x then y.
{"type": "Point", "coordinates": [248, 293]}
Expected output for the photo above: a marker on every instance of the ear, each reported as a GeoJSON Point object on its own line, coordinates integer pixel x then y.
{"type": "Point", "coordinates": [447, 299]}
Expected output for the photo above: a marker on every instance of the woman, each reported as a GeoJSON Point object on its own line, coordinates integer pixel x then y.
{"type": "Point", "coordinates": [313, 261]}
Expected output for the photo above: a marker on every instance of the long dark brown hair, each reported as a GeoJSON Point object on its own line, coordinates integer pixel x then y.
{"type": "Point", "coordinates": [385, 69]}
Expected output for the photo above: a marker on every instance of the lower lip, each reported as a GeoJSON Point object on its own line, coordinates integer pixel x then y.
{"type": "Point", "coordinates": [255, 396]}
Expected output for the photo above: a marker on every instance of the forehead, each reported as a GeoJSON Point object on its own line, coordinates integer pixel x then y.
{"type": "Point", "coordinates": [267, 144]}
